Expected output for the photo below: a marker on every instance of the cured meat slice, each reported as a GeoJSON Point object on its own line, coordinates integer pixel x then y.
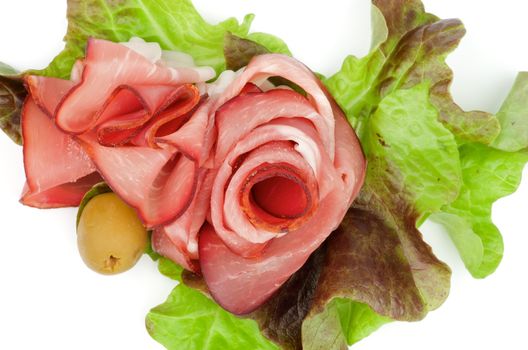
{"type": "Point", "coordinates": [47, 92]}
{"type": "Point", "coordinates": [289, 166]}
{"type": "Point", "coordinates": [142, 112]}
{"type": "Point", "coordinates": [248, 111]}
{"type": "Point", "coordinates": [66, 195]}
{"type": "Point", "coordinates": [241, 284]}
{"type": "Point", "coordinates": [53, 161]}
{"type": "Point", "coordinates": [107, 66]}
{"type": "Point", "coordinates": [265, 66]}
{"type": "Point", "coordinates": [158, 183]}
{"type": "Point", "coordinates": [179, 240]}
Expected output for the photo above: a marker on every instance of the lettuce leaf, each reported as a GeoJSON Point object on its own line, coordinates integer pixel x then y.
{"type": "Point", "coordinates": [513, 117]}
{"type": "Point", "coordinates": [414, 51]}
{"type": "Point", "coordinates": [468, 219]}
{"type": "Point", "coordinates": [189, 320]}
{"type": "Point", "coordinates": [174, 24]}
{"type": "Point", "coordinates": [425, 153]}
{"type": "Point", "coordinates": [12, 95]}
{"type": "Point", "coordinates": [410, 47]}
{"type": "Point", "coordinates": [100, 188]}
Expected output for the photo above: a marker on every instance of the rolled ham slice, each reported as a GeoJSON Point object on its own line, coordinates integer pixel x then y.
{"type": "Point", "coordinates": [289, 167]}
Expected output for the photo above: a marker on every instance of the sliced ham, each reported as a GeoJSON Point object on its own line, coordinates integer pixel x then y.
{"type": "Point", "coordinates": [107, 66]}
{"type": "Point", "coordinates": [288, 168]}
{"type": "Point", "coordinates": [178, 240]}
{"type": "Point", "coordinates": [69, 194]}
{"type": "Point", "coordinates": [58, 171]}
{"type": "Point", "coordinates": [130, 117]}
{"type": "Point", "coordinates": [272, 171]}
{"type": "Point", "coordinates": [265, 66]}
{"type": "Point", "coordinates": [157, 179]}
{"type": "Point", "coordinates": [158, 183]}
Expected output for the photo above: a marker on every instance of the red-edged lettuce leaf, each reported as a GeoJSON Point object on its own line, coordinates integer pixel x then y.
{"type": "Point", "coordinates": [489, 173]}
{"type": "Point", "coordinates": [12, 95]}
{"type": "Point", "coordinates": [239, 51]}
{"type": "Point", "coordinates": [410, 47]}
{"type": "Point", "coordinates": [409, 51]}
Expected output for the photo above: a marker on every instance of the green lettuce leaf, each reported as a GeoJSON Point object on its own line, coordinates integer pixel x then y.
{"type": "Point", "coordinates": [405, 132]}
{"type": "Point", "coordinates": [150, 251]}
{"type": "Point", "coordinates": [174, 24]}
{"type": "Point", "coordinates": [513, 117]}
{"type": "Point", "coordinates": [189, 320]}
{"type": "Point", "coordinates": [12, 95]}
{"type": "Point", "coordinates": [468, 219]}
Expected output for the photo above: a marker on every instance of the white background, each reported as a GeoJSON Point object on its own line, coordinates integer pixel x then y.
{"type": "Point", "coordinates": [50, 300]}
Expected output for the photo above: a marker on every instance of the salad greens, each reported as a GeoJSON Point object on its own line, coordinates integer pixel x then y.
{"type": "Point", "coordinates": [427, 158]}
{"type": "Point", "coordinates": [12, 95]}
{"type": "Point", "coordinates": [468, 218]}
{"type": "Point", "coordinates": [174, 24]}
{"type": "Point", "coordinates": [190, 320]}
{"type": "Point", "coordinates": [438, 173]}
{"type": "Point", "coordinates": [513, 117]}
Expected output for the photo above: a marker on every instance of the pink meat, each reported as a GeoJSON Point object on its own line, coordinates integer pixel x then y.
{"type": "Point", "coordinates": [178, 240]}
{"type": "Point", "coordinates": [274, 147]}
{"type": "Point", "coordinates": [68, 194]}
{"type": "Point", "coordinates": [58, 171]}
{"type": "Point", "coordinates": [133, 122]}
{"type": "Point", "coordinates": [265, 66]}
{"type": "Point", "coordinates": [107, 66]}
{"type": "Point", "coordinates": [159, 181]}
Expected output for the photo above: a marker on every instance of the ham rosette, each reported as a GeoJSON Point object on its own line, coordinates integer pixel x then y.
{"type": "Point", "coordinates": [126, 115]}
{"type": "Point", "coordinates": [287, 169]}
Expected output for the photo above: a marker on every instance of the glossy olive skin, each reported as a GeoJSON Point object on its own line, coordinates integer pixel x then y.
{"type": "Point", "coordinates": [110, 236]}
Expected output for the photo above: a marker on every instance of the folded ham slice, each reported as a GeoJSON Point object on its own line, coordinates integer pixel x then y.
{"type": "Point", "coordinates": [130, 118]}
{"type": "Point", "coordinates": [58, 171]}
{"type": "Point", "coordinates": [178, 241]}
{"type": "Point", "coordinates": [107, 66]}
{"type": "Point", "coordinates": [288, 168]}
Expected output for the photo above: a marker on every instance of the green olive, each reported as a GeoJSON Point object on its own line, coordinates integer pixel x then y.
{"type": "Point", "coordinates": [110, 236]}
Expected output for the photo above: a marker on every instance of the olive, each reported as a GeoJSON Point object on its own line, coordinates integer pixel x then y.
{"type": "Point", "coordinates": [110, 236]}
